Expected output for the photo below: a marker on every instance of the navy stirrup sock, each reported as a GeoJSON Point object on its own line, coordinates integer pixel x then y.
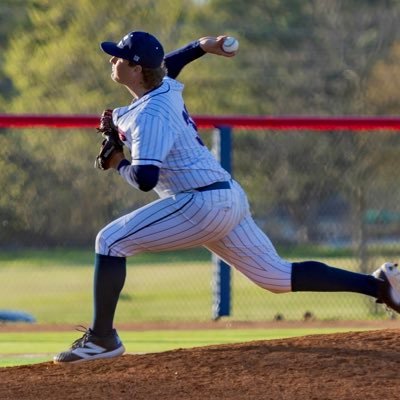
{"type": "Point", "coordinates": [314, 276]}
{"type": "Point", "coordinates": [109, 279]}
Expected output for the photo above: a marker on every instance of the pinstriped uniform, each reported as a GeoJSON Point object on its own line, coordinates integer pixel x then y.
{"type": "Point", "coordinates": [159, 131]}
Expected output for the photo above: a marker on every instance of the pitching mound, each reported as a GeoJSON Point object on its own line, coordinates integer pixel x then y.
{"type": "Point", "coordinates": [355, 365]}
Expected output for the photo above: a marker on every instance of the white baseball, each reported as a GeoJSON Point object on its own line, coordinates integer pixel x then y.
{"type": "Point", "coordinates": [230, 44]}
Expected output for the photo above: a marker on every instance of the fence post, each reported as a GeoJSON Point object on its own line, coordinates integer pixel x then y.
{"type": "Point", "coordinates": [222, 149]}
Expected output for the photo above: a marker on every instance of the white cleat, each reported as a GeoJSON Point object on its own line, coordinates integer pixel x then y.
{"type": "Point", "coordinates": [389, 291]}
{"type": "Point", "coordinates": [91, 347]}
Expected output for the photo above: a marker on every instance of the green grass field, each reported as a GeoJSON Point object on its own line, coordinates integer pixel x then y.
{"type": "Point", "coordinates": [17, 348]}
{"type": "Point", "coordinates": [55, 286]}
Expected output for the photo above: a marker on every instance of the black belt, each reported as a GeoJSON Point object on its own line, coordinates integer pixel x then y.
{"type": "Point", "coordinates": [214, 186]}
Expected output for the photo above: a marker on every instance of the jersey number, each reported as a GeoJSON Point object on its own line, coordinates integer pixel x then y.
{"type": "Point", "coordinates": [189, 121]}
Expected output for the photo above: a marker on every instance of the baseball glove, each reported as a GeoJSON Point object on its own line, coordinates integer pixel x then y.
{"type": "Point", "coordinates": [111, 143]}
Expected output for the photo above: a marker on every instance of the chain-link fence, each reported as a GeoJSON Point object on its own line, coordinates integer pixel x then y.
{"type": "Point", "coordinates": [329, 196]}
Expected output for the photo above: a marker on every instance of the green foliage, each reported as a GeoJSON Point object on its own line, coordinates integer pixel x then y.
{"type": "Point", "coordinates": [12, 14]}
{"type": "Point", "coordinates": [295, 57]}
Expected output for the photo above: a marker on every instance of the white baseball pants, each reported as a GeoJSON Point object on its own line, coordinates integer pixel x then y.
{"type": "Point", "coordinates": [219, 220]}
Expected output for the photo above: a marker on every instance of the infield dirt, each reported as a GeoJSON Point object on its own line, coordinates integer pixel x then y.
{"type": "Point", "coordinates": [355, 365]}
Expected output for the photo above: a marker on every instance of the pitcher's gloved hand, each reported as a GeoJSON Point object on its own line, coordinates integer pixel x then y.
{"type": "Point", "coordinates": [111, 144]}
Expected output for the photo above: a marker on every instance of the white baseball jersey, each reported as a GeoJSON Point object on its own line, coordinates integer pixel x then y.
{"type": "Point", "coordinates": [159, 131]}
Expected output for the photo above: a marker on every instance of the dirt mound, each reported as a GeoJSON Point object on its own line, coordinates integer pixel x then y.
{"type": "Point", "coordinates": [355, 365]}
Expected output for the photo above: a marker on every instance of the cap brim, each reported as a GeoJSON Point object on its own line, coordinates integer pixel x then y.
{"type": "Point", "coordinates": [112, 49]}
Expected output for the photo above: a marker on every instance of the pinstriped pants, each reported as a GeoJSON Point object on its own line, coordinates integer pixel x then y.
{"type": "Point", "coordinates": [218, 220]}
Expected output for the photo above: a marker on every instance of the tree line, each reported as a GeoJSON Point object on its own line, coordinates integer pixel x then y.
{"type": "Point", "coordinates": [321, 57]}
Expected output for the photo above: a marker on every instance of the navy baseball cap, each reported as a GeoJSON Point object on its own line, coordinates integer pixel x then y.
{"type": "Point", "coordinates": [140, 47]}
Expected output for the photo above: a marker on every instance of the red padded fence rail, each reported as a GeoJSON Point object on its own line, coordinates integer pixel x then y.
{"type": "Point", "coordinates": [356, 123]}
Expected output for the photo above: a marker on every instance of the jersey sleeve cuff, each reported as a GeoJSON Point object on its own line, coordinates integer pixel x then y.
{"type": "Point", "coordinates": [151, 161]}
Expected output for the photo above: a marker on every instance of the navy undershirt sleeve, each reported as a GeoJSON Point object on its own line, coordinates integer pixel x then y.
{"type": "Point", "coordinates": [143, 177]}
{"type": "Point", "coordinates": [177, 59]}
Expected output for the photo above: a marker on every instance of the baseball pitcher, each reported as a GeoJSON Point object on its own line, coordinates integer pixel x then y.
{"type": "Point", "coordinates": [199, 203]}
